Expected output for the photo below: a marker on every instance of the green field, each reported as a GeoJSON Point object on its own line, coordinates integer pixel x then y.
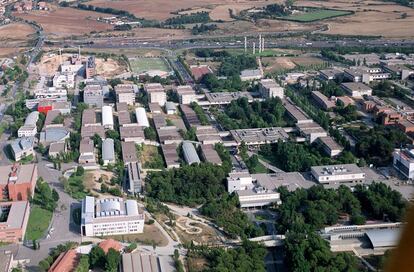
{"type": "Point", "coordinates": [39, 220]}
{"type": "Point", "coordinates": [316, 15]}
{"type": "Point", "coordinates": [140, 65]}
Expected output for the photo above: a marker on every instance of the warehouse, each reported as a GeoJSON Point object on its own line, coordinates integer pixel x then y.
{"type": "Point", "coordinates": [132, 134]}
{"type": "Point", "coordinates": [107, 117]}
{"type": "Point", "coordinates": [171, 158]}
{"type": "Point", "coordinates": [141, 116]}
{"type": "Point", "coordinates": [108, 151]}
{"type": "Point", "coordinates": [190, 153]}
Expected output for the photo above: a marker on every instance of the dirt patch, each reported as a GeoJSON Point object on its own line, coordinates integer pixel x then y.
{"type": "Point", "coordinates": [152, 236]}
{"type": "Point", "coordinates": [190, 231]}
{"type": "Point", "coordinates": [306, 61]}
{"type": "Point", "coordinates": [15, 31]}
{"type": "Point", "coordinates": [91, 179]}
{"type": "Point", "coordinates": [278, 63]}
{"type": "Point", "coordinates": [109, 67]}
{"type": "Point", "coordinates": [8, 51]}
{"type": "Point", "coordinates": [61, 22]}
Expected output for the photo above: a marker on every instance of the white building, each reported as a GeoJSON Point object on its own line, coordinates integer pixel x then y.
{"type": "Point", "coordinates": [403, 162]}
{"type": "Point", "coordinates": [22, 147]}
{"type": "Point", "coordinates": [107, 117]}
{"type": "Point", "coordinates": [156, 93]}
{"type": "Point", "coordinates": [93, 95]}
{"type": "Point", "coordinates": [186, 94]}
{"type": "Point", "coordinates": [50, 92]}
{"type": "Point", "coordinates": [27, 131]}
{"type": "Point", "coordinates": [110, 216]}
{"type": "Point", "coordinates": [64, 80]}
{"type": "Point", "coordinates": [249, 75]}
{"type": "Point", "coordinates": [269, 88]}
{"type": "Point", "coordinates": [356, 89]}
{"type": "Point", "coordinates": [141, 116]}
{"type": "Point", "coordinates": [337, 174]}
{"type": "Point", "coordinates": [170, 108]}
{"type": "Point", "coordinates": [125, 93]}
{"type": "Point", "coordinates": [108, 151]}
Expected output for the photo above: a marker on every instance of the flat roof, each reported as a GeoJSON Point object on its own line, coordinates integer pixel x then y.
{"type": "Point", "coordinates": [170, 154]}
{"type": "Point", "coordinates": [90, 131]}
{"type": "Point", "coordinates": [144, 262]}
{"type": "Point", "coordinates": [131, 132]}
{"type": "Point", "coordinates": [17, 214]}
{"type": "Point", "coordinates": [186, 89]}
{"type": "Point", "coordinates": [129, 152]}
{"type": "Point", "coordinates": [124, 117]}
{"type": "Point", "coordinates": [170, 133]}
{"type": "Point", "coordinates": [51, 115]}
{"type": "Point", "coordinates": [159, 120]}
{"type": "Point", "coordinates": [210, 154]}
{"type": "Point", "coordinates": [86, 146]}
{"type": "Point", "coordinates": [154, 87]}
{"type": "Point", "coordinates": [190, 115]}
{"type": "Point", "coordinates": [154, 107]}
{"type": "Point", "coordinates": [253, 135]}
{"type": "Point", "coordinates": [295, 112]}
{"type": "Point", "coordinates": [339, 169]}
{"type": "Point", "coordinates": [291, 180]}
{"type": "Point", "coordinates": [121, 106]}
{"type": "Point", "coordinates": [57, 147]}
{"type": "Point", "coordinates": [24, 172]}
{"type": "Point", "coordinates": [330, 143]}
{"type": "Point", "coordinates": [88, 117]}
{"type": "Point", "coordinates": [269, 83]}
{"type": "Point", "coordinates": [227, 97]}
{"type": "Point", "coordinates": [356, 86]}
{"type": "Point", "coordinates": [308, 128]}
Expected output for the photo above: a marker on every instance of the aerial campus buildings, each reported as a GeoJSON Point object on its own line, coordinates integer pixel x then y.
{"type": "Point", "coordinates": [110, 216]}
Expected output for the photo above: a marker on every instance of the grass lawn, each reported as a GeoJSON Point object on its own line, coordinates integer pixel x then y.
{"type": "Point", "coordinates": [39, 220]}
{"type": "Point", "coordinates": [139, 65]}
{"type": "Point", "coordinates": [260, 169]}
{"type": "Point", "coordinates": [316, 15]}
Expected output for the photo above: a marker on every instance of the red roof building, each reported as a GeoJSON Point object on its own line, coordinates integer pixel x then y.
{"type": "Point", "coordinates": [66, 262]}
{"type": "Point", "coordinates": [199, 71]}
{"type": "Point", "coordinates": [110, 243]}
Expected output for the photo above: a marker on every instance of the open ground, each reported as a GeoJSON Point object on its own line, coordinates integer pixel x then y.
{"type": "Point", "coordinates": [140, 65]}
{"type": "Point", "coordinates": [274, 64]}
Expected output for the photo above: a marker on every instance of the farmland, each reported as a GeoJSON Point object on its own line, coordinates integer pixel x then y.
{"type": "Point", "coordinates": [140, 65]}
{"type": "Point", "coordinates": [316, 15]}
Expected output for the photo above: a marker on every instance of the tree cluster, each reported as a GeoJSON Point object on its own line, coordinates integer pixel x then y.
{"type": "Point", "coordinates": [210, 53]}
{"type": "Point", "coordinates": [108, 262]}
{"type": "Point", "coordinates": [233, 65]}
{"type": "Point", "coordinates": [232, 83]}
{"type": "Point", "coordinates": [45, 197]}
{"type": "Point", "coordinates": [202, 117]}
{"type": "Point", "coordinates": [203, 28]}
{"type": "Point", "coordinates": [193, 18]}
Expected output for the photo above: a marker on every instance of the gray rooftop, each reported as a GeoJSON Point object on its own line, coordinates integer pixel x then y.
{"type": "Point", "coordinates": [291, 180]}
{"type": "Point", "coordinates": [16, 216]}
{"type": "Point", "coordinates": [259, 135]}
{"type": "Point", "coordinates": [129, 152]}
{"type": "Point", "coordinates": [384, 237]}
{"type": "Point", "coordinates": [124, 118]}
{"type": "Point", "coordinates": [295, 112]}
{"type": "Point", "coordinates": [227, 97]}
{"type": "Point", "coordinates": [22, 144]}
{"type": "Point", "coordinates": [108, 150]}
{"type": "Point", "coordinates": [190, 153]}
{"type": "Point", "coordinates": [339, 169]}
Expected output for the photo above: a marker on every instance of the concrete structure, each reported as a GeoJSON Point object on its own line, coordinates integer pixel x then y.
{"type": "Point", "coordinates": [258, 136]}
{"type": "Point", "coordinates": [134, 178]}
{"type": "Point", "coordinates": [132, 134]}
{"type": "Point", "coordinates": [190, 153]}
{"type": "Point", "coordinates": [125, 93]}
{"type": "Point", "coordinates": [129, 152]}
{"type": "Point", "coordinates": [64, 107]}
{"type": "Point", "coordinates": [66, 262]}
{"type": "Point", "coordinates": [365, 74]}
{"type": "Point", "coordinates": [189, 116]}
{"type": "Point", "coordinates": [51, 120]}
{"type": "Point", "coordinates": [269, 88]}
{"type": "Point", "coordinates": [403, 162]}
{"type": "Point", "coordinates": [54, 134]}
{"type": "Point", "coordinates": [345, 101]}
{"type": "Point", "coordinates": [121, 106]}
{"type": "Point", "coordinates": [6, 261]}
{"type": "Point", "coordinates": [32, 118]}
{"type": "Point", "coordinates": [159, 120]}
{"type": "Point", "coordinates": [55, 149]}
{"type": "Point", "coordinates": [90, 67]}
{"type": "Point", "coordinates": [171, 158]}
{"type": "Point", "coordinates": [155, 108]}
{"type": "Point", "coordinates": [93, 95]}
{"type": "Point", "coordinates": [356, 89]}
{"type": "Point", "coordinates": [329, 146]}
{"type": "Point", "coordinates": [124, 119]}
{"type": "Point", "coordinates": [323, 101]}
{"type": "Point", "coordinates": [311, 131]}
{"type": "Point", "coordinates": [169, 135]}
{"type": "Point", "coordinates": [330, 74]}
{"type": "Point", "coordinates": [156, 93]}
{"type": "Point", "coordinates": [186, 94]}
{"type": "Point", "coordinates": [170, 108]}
{"type": "Point", "coordinates": [208, 135]}
{"type": "Point", "coordinates": [15, 216]}
{"type": "Point", "coordinates": [338, 174]}
{"type": "Point", "coordinates": [296, 113]}
{"type": "Point", "coordinates": [209, 154]}
{"type": "Point", "coordinates": [143, 262]}
{"type": "Point", "coordinates": [224, 98]}
{"type": "Point", "coordinates": [89, 118]}
{"type": "Point", "coordinates": [50, 92]}
{"type": "Point", "coordinates": [27, 131]}
{"type": "Point", "coordinates": [107, 117]}
{"type": "Point", "coordinates": [22, 147]}
{"type": "Point", "coordinates": [17, 182]}
{"type": "Point", "coordinates": [86, 152]}
{"type": "Point", "coordinates": [251, 74]}
{"type": "Point", "coordinates": [110, 216]}
{"type": "Point", "coordinates": [108, 151]}
{"type": "Point", "coordinates": [90, 131]}
{"type": "Point", "coordinates": [141, 116]}
{"type": "Point", "coordinates": [64, 80]}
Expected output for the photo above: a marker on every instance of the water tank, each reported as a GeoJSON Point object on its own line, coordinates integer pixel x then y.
{"type": "Point", "coordinates": [141, 115]}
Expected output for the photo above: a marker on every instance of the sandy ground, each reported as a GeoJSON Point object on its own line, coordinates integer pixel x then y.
{"type": "Point", "coordinates": [15, 31]}
{"type": "Point", "coordinates": [109, 68]}
{"type": "Point", "coordinates": [91, 178]}
{"type": "Point", "coordinates": [66, 21]}
{"type": "Point", "coordinates": [8, 51]}
{"type": "Point", "coordinates": [282, 63]}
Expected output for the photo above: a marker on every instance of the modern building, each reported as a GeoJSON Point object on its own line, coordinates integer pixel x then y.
{"type": "Point", "coordinates": [107, 117]}
{"type": "Point", "coordinates": [311, 131]}
{"type": "Point", "coordinates": [110, 216]}
{"type": "Point", "coordinates": [125, 93]}
{"type": "Point", "coordinates": [403, 162]}
{"type": "Point", "coordinates": [170, 108]}
{"type": "Point", "coordinates": [134, 178]}
{"type": "Point", "coordinates": [186, 94]}
{"type": "Point", "coordinates": [144, 262]}
{"type": "Point", "coordinates": [22, 147]}
{"type": "Point", "coordinates": [93, 95]}
{"type": "Point", "coordinates": [338, 174]}
{"type": "Point", "coordinates": [269, 88]}
{"type": "Point", "coordinates": [141, 116]}
{"type": "Point", "coordinates": [17, 181]}
{"type": "Point", "coordinates": [259, 136]}
{"type": "Point", "coordinates": [86, 152]}
{"type": "Point", "coordinates": [15, 216]}
{"type": "Point", "coordinates": [251, 74]}
{"type": "Point", "coordinates": [190, 153]}
{"type": "Point", "coordinates": [356, 89]}
{"type": "Point", "coordinates": [156, 93]}
{"type": "Point", "coordinates": [108, 151]}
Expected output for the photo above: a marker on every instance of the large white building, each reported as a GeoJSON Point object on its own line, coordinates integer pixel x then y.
{"type": "Point", "coordinates": [107, 117]}
{"type": "Point", "coordinates": [338, 174]}
{"type": "Point", "coordinates": [403, 162]}
{"type": "Point", "coordinates": [156, 93]}
{"type": "Point", "coordinates": [269, 88]}
{"type": "Point", "coordinates": [125, 93]}
{"type": "Point", "coordinates": [64, 80]}
{"type": "Point", "coordinates": [141, 116]}
{"type": "Point", "coordinates": [186, 94]}
{"type": "Point", "coordinates": [110, 216]}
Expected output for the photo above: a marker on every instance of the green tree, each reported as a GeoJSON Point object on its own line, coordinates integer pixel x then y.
{"type": "Point", "coordinates": [80, 171]}
{"type": "Point", "coordinates": [97, 257]}
{"type": "Point", "coordinates": [112, 260]}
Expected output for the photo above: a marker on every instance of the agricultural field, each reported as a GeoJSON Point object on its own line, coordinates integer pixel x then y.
{"type": "Point", "coordinates": [275, 64]}
{"type": "Point", "coordinates": [60, 22]}
{"type": "Point", "coordinates": [316, 15]}
{"type": "Point", "coordinates": [140, 65]}
{"type": "Point", "coordinates": [15, 32]}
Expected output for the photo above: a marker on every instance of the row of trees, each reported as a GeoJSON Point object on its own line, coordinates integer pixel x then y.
{"type": "Point", "coordinates": [193, 18]}
{"type": "Point", "coordinates": [203, 28]}
{"type": "Point", "coordinates": [233, 65]}
{"type": "Point", "coordinates": [45, 197]}
{"type": "Point", "coordinates": [201, 115]}
{"type": "Point", "coordinates": [241, 114]}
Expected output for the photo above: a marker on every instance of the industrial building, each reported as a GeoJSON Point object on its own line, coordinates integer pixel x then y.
{"type": "Point", "coordinates": [349, 174]}
{"type": "Point", "coordinates": [134, 178]}
{"type": "Point", "coordinates": [269, 88]}
{"type": "Point", "coordinates": [159, 120]}
{"type": "Point", "coordinates": [17, 181]}
{"type": "Point", "coordinates": [15, 216]}
{"type": "Point", "coordinates": [90, 131]}
{"type": "Point", "coordinates": [330, 74]}
{"type": "Point", "coordinates": [323, 101]}
{"type": "Point", "coordinates": [209, 154]}
{"type": "Point", "coordinates": [171, 158]}
{"type": "Point", "coordinates": [403, 162]}
{"type": "Point", "coordinates": [170, 108]}
{"type": "Point", "coordinates": [154, 108]}
{"type": "Point", "coordinates": [54, 134]}
{"type": "Point", "coordinates": [156, 93]}
{"type": "Point", "coordinates": [132, 134]}
{"type": "Point", "coordinates": [356, 89]}
{"type": "Point", "coordinates": [208, 135]}
{"type": "Point", "coordinates": [22, 147]}
{"type": "Point", "coordinates": [110, 216]}
{"type": "Point", "coordinates": [186, 94]}
{"type": "Point", "coordinates": [143, 262]}
{"type": "Point", "coordinates": [108, 151]}
{"type": "Point", "coordinates": [129, 152]}
{"type": "Point", "coordinates": [296, 113]}
{"type": "Point", "coordinates": [169, 135]}
{"type": "Point", "coordinates": [190, 153]}
{"type": "Point", "coordinates": [141, 116]}
{"type": "Point", "coordinates": [189, 116]}
{"type": "Point", "coordinates": [329, 146]}
{"type": "Point", "coordinates": [124, 119]}
{"type": "Point", "coordinates": [107, 117]}
{"type": "Point", "coordinates": [93, 95]}
{"type": "Point", "coordinates": [125, 93]}
{"type": "Point", "coordinates": [311, 131]}
{"type": "Point", "coordinates": [56, 149]}
{"type": "Point", "coordinates": [86, 152]}
{"type": "Point", "coordinates": [259, 136]}
{"type": "Point", "coordinates": [251, 74]}
{"type": "Point", "coordinates": [224, 98]}
{"type": "Point", "coordinates": [89, 118]}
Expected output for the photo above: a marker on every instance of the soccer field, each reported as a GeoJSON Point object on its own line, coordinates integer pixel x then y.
{"type": "Point", "coordinates": [140, 65]}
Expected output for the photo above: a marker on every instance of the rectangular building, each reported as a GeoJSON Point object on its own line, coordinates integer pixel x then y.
{"type": "Point", "coordinates": [125, 93]}
{"type": "Point", "coordinates": [296, 113]}
{"type": "Point", "coordinates": [323, 101]}
{"type": "Point", "coordinates": [269, 88]}
{"type": "Point", "coordinates": [129, 152]}
{"type": "Point", "coordinates": [86, 152]}
{"type": "Point", "coordinates": [189, 116]}
{"type": "Point", "coordinates": [171, 158]}
{"type": "Point", "coordinates": [132, 134]}
{"type": "Point", "coordinates": [110, 216]}
{"type": "Point", "coordinates": [124, 118]}
{"type": "Point", "coordinates": [209, 154]}
{"type": "Point", "coordinates": [169, 135]}
{"type": "Point", "coordinates": [258, 136]}
{"type": "Point", "coordinates": [337, 174]}
{"type": "Point", "coordinates": [223, 98]}
{"type": "Point", "coordinates": [15, 216]}
{"type": "Point", "coordinates": [134, 178]}
{"type": "Point", "coordinates": [156, 93]}
{"type": "Point", "coordinates": [311, 131]}
{"type": "Point", "coordinates": [403, 162]}
{"type": "Point", "coordinates": [93, 95]}
{"type": "Point", "coordinates": [356, 89]}
{"type": "Point", "coordinates": [17, 181]}
{"type": "Point", "coordinates": [186, 94]}
{"type": "Point", "coordinates": [143, 262]}
{"type": "Point", "coordinates": [329, 146]}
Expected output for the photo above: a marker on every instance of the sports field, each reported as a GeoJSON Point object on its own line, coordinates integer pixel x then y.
{"type": "Point", "coordinates": [140, 65]}
{"type": "Point", "coordinates": [316, 15]}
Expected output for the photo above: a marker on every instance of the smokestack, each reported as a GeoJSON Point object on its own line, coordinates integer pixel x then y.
{"type": "Point", "coordinates": [245, 44]}
{"type": "Point", "coordinates": [254, 48]}
{"type": "Point", "coordinates": [260, 43]}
